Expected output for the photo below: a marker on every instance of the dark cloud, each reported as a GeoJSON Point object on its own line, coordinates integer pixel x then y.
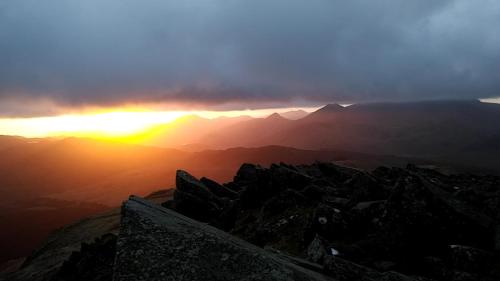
{"type": "Point", "coordinates": [216, 52]}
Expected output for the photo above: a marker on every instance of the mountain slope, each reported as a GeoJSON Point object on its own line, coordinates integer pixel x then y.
{"type": "Point", "coordinates": [459, 132]}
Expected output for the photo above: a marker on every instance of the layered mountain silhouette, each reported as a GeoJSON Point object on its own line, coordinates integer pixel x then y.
{"type": "Point", "coordinates": [458, 132]}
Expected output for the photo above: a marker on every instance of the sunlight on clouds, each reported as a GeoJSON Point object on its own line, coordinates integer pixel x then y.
{"type": "Point", "coordinates": [110, 124]}
{"type": "Point", "coordinates": [124, 125]}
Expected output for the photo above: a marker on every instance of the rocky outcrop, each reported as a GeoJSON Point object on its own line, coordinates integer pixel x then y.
{"type": "Point", "coordinates": [308, 222]}
{"type": "Point", "coordinates": [159, 244]}
{"type": "Point", "coordinates": [388, 220]}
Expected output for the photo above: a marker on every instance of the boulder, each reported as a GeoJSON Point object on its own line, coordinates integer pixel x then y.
{"type": "Point", "coordinates": [316, 251]}
{"type": "Point", "coordinates": [249, 173]}
{"type": "Point", "coordinates": [331, 223]}
{"type": "Point", "coordinates": [159, 244]}
{"type": "Point", "coordinates": [192, 198]}
{"type": "Point", "coordinates": [186, 183]}
{"type": "Point", "coordinates": [195, 207]}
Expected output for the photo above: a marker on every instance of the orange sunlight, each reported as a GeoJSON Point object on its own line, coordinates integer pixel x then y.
{"type": "Point", "coordinates": [128, 125]}
{"type": "Point", "coordinates": [108, 125]}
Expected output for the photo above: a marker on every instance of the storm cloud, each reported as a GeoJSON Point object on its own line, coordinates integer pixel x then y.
{"type": "Point", "coordinates": [215, 52]}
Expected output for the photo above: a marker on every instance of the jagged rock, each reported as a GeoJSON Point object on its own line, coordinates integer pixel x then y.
{"type": "Point", "coordinates": [366, 217]}
{"type": "Point", "coordinates": [194, 199]}
{"type": "Point", "coordinates": [390, 219]}
{"type": "Point", "coordinates": [217, 189]}
{"type": "Point", "coordinates": [285, 177]}
{"type": "Point", "coordinates": [417, 220]}
{"type": "Point", "coordinates": [384, 265]}
{"type": "Point", "coordinates": [316, 251]}
{"type": "Point", "coordinates": [280, 223]}
{"type": "Point", "coordinates": [336, 173]}
{"type": "Point", "coordinates": [365, 206]}
{"type": "Point", "coordinates": [389, 175]}
{"type": "Point", "coordinates": [195, 207]}
{"type": "Point", "coordinates": [435, 268]}
{"type": "Point", "coordinates": [189, 184]}
{"type": "Point", "coordinates": [337, 202]}
{"type": "Point", "coordinates": [158, 244]}
{"type": "Point", "coordinates": [331, 223]}
{"type": "Point", "coordinates": [365, 188]}
{"type": "Point", "coordinates": [470, 259]}
{"type": "Point", "coordinates": [249, 173]}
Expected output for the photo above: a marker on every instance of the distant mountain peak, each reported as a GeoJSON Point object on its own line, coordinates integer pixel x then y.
{"type": "Point", "coordinates": [274, 116]}
{"type": "Point", "coordinates": [331, 107]}
{"type": "Point", "coordinates": [326, 110]}
{"type": "Point", "coordinates": [294, 114]}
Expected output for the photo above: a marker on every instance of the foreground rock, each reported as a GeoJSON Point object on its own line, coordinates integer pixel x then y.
{"type": "Point", "coordinates": [87, 240]}
{"type": "Point", "coordinates": [159, 244]}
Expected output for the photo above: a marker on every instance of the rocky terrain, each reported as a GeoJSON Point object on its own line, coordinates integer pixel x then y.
{"type": "Point", "coordinates": [307, 222]}
{"type": "Point", "coordinates": [358, 224]}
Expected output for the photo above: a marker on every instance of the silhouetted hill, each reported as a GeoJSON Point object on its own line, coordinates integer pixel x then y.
{"type": "Point", "coordinates": [294, 114]}
{"type": "Point", "coordinates": [187, 130]}
{"type": "Point", "coordinates": [459, 132]}
{"type": "Point", "coordinates": [326, 111]}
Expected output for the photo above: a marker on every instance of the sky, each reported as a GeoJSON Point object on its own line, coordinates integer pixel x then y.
{"type": "Point", "coordinates": [62, 55]}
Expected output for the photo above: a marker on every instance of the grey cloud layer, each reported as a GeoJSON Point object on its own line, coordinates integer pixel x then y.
{"type": "Point", "coordinates": [215, 51]}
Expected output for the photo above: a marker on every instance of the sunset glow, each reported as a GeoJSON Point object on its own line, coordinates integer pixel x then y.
{"type": "Point", "coordinates": [112, 124]}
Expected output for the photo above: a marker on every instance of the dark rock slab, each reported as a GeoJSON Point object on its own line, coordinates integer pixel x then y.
{"type": "Point", "coordinates": [218, 189]}
{"type": "Point", "coordinates": [192, 198]}
{"type": "Point", "coordinates": [158, 244]}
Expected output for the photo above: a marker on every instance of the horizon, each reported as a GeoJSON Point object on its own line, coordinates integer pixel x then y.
{"type": "Point", "coordinates": [129, 122]}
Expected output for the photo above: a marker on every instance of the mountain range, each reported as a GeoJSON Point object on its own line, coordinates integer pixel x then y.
{"type": "Point", "coordinates": [459, 132]}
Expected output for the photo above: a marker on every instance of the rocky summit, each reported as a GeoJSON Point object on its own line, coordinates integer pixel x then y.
{"type": "Point", "coordinates": [158, 244]}
{"type": "Point", "coordinates": [387, 224]}
{"type": "Point", "coordinates": [308, 222]}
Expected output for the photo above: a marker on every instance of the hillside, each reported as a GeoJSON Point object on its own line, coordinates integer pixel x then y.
{"type": "Point", "coordinates": [456, 132]}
